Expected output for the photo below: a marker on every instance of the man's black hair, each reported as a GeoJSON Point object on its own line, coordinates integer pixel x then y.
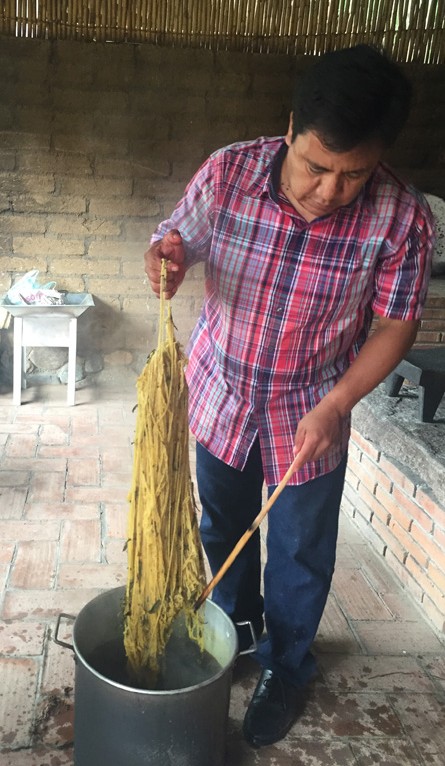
{"type": "Point", "coordinates": [350, 97]}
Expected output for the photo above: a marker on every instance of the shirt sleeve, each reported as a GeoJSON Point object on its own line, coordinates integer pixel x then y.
{"type": "Point", "coordinates": [403, 273]}
{"type": "Point", "coordinates": [193, 216]}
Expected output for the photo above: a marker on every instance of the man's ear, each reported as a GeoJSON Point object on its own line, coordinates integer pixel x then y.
{"type": "Point", "coordinates": [288, 136]}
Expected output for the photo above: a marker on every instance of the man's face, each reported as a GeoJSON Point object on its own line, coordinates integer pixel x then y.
{"type": "Point", "coordinates": [317, 180]}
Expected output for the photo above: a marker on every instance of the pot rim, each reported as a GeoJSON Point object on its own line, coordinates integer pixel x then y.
{"type": "Point", "coordinates": [156, 692]}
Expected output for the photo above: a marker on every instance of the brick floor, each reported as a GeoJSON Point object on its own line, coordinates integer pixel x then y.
{"type": "Point", "coordinates": [64, 478]}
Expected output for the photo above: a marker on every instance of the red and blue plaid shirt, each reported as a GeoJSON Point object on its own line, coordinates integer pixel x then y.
{"type": "Point", "coordinates": [288, 303]}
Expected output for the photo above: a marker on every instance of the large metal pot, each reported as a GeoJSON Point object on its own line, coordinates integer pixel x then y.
{"type": "Point", "coordinates": [116, 724]}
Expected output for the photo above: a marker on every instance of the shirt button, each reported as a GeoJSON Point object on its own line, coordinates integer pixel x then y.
{"type": "Point", "coordinates": [279, 309]}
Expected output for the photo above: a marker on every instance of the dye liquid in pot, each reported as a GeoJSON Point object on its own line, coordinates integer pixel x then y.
{"type": "Point", "coordinates": [183, 665]}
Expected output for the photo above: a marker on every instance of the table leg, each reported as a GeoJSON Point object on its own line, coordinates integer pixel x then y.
{"type": "Point", "coordinates": [393, 383]}
{"type": "Point", "coordinates": [430, 397]}
{"type": "Point", "coordinates": [17, 361]}
{"type": "Point", "coordinates": [72, 348]}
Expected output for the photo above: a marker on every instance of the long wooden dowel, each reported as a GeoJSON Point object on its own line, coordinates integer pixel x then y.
{"type": "Point", "coordinates": [247, 535]}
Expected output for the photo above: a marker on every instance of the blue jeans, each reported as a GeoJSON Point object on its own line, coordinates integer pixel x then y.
{"type": "Point", "coordinates": [301, 546]}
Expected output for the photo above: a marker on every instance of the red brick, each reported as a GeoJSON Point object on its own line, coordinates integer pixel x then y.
{"type": "Point", "coordinates": [116, 520]}
{"type": "Point", "coordinates": [428, 337]}
{"type": "Point", "coordinates": [17, 700]}
{"type": "Point", "coordinates": [404, 576]}
{"type": "Point", "coordinates": [410, 546]}
{"type": "Point", "coordinates": [354, 451]}
{"type": "Point", "coordinates": [112, 414]}
{"type": "Point", "coordinates": [432, 324]}
{"type": "Point", "coordinates": [41, 604]}
{"type": "Point", "coordinates": [437, 576]}
{"type": "Point", "coordinates": [60, 511]}
{"type": "Point", "coordinates": [91, 576]}
{"type": "Point", "coordinates": [96, 494]}
{"type": "Point", "coordinates": [429, 545]}
{"type": "Point", "coordinates": [113, 460]}
{"type": "Point", "coordinates": [375, 469]}
{"type": "Point", "coordinates": [352, 478]}
{"type": "Point", "coordinates": [59, 665]}
{"type": "Point", "coordinates": [396, 511]}
{"type": "Point", "coordinates": [366, 445]}
{"type": "Point", "coordinates": [358, 503]}
{"type": "Point", "coordinates": [83, 430]}
{"type": "Point", "coordinates": [20, 638]}
{"type": "Point", "coordinates": [368, 477]}
{"type": "Point", "coordinates": [56, 712]}
{"type": "Point", "coordinates": [20, 428]}
{"type": "Point", "coordinates": [12, 502]}
{"type": "Point", "coordinates": [414, 509]}
{"type": "Point", "coordinates": [14, 478]}
{"type": "Point", "coordinates": [29, 530]}
{"type": "Point", "coordinates": [431, 312]}
{"type": "Point", "coordinates": [112, 479]}
{"type": "Point", "coordinates": [34, 565]}
{"type": "Point", "coordinates": [114, 551]}
{"type": "Point", "coordinates": [334, 631]}
{"type": "Point", "coordinates": [36, 465]}
{"type": "Point", "coordinates": [83, 472]}
{"type": "Point", "coordinates": [47, 487]}
{"type": "Point", "coordinates": [115, 434]}
{"type": "Point", "coordinates": [53, 434]}
{"type": "Point", "coordinates": [21, 446]}
{"type": "Point", "coordinates": [374, 504]}
{"type": "Point", "coordinates": [6, 552]}
{"type": "Point", "coordinates": [80, 540]}
{"type": "Point", "coordinates": [354, 463]}
{"type": "Point", "coordinates": [427, 585]}
{"type": "Point", "coordinates": [357, 598]}
{"type": "Point", "coordinates": [429, 504]}
{"type": "Point", "coordinates": [436, 616]}
{"type": "Point", "coordinates": [397, 475]}
{"type": "Point", "coordinates": [416, 570]}
{"type": "Point", "coordinates": [88, 449]}
{"type": "Point", "coordinates": [439, 536]}
{"type": "Point", "coordinates": [434, 593]}
{"type": "Point", "coordinates": [388, 537]}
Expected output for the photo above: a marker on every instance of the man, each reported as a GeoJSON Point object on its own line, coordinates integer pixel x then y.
{"type": "Point", "coordinates": [304, 239]}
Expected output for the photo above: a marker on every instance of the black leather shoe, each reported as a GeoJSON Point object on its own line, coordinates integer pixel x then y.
{"type": "Point", "coordinates": [275, 706]}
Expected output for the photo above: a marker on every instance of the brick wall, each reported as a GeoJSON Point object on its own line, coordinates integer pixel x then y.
{"type": "Point", "coordinates": [403, 520]}
{"type": "Point", "coordinates": [432, 324]}
{"type": "Point", "coordinates": [97, 142]}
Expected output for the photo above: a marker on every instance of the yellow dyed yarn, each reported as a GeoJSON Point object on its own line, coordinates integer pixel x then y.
{"type": "Point", "coordinates": [165, 562]}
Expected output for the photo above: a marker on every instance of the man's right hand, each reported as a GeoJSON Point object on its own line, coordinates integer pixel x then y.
{"type": "Point", "coordinates": [171, 248]}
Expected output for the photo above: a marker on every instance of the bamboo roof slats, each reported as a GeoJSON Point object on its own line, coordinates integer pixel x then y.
{"type": "Point", "coordinates": [410, 30]}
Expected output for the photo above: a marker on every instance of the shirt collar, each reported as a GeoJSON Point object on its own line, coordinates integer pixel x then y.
{"type": "Point", "coordinates": [268, 181]}
{"type": "Point", "coordinates": [268, 184]}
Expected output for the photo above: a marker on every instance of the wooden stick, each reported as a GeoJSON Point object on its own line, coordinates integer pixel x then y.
{"type": "Point", "coordinates": [247, 535]}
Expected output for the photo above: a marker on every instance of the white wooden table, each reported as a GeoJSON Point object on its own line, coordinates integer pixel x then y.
{"type": "Point", "coordinates": [43, 331]}
{"type": "Point", "coordinates": [49, 326]}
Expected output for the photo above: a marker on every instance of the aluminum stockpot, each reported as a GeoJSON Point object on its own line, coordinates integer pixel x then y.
{"type": "Point", "coordinates": [118, 725]}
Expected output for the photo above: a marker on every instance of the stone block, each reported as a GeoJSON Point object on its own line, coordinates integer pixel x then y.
{"type": "Point", "coordinates": [49, 359]}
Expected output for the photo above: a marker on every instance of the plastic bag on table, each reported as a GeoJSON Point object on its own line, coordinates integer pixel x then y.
{"type": "Point", "coordinates": [27, 291]}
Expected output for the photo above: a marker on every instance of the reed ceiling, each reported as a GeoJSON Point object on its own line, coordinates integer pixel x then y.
{"type": "Point", "coordinates": [410, 30]}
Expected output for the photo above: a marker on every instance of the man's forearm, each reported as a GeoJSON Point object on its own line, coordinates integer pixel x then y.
{"type": "Point", "coordinates": [381, 353]}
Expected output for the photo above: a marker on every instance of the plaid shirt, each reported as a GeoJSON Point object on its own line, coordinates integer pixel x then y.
{"type": "Point", "coordinates": [288, 303]}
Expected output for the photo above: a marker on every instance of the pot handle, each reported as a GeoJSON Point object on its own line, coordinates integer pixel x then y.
{"type": "Point", "coordinates": [253, 647]}
{"type": "Point", "coordinates": [56, 638]}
